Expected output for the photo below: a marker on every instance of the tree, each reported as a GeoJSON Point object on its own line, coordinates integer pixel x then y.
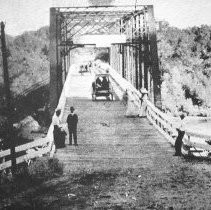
{"type": "Point", "coordinates": [185, 62]}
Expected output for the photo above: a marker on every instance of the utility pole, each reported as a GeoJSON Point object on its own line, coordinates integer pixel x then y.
{"type": "Point", "coordinates": [8, 96]}
{"type": "Point", "coordinates": [5, 69]}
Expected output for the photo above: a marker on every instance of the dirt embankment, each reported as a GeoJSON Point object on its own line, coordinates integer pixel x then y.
{"type": "Point", "coordinates": [166, 183]}
{"type": "Point", "coordinates": [30, 116]}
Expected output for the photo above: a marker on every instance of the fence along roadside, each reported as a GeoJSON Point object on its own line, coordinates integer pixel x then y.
{"type": "Point", "coordinates": [37, 147]}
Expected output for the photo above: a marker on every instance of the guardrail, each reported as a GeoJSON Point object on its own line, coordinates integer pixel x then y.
{"type": "Point", "coordinates": [29, 150]}
{"type": "Point", "coordinates": [193, 143]}
{"type": "Point", "coordinates": [25, 152]}
{"type": "Point", "coordinates": [37, 148]}
{"type": "Point", "coordinates": [161, 121]}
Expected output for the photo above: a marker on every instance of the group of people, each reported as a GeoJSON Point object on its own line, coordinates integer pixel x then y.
{"type": "Point", "coordinates": [102, 83]}
{"type": "Point", "coordinates": [59, 131]}
{"type": "Point", "coordinates": [132, 111]}
{"type": "Point", "coordinates": [85, 67]}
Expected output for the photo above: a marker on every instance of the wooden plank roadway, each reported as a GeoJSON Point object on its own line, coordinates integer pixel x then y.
{"type": "Point", "coordinates": [107, 139]}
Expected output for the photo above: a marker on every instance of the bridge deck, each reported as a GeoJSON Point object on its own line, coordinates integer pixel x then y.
{"type": "Point", "coordinates": [109, 146]}
{"type": "Point", "coordinates": [107, 139]}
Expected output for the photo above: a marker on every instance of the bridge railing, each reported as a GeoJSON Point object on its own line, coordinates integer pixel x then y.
{"type": "Point", "coordinates": [25, 152]}
{"type": "Point", "coordinates": [29, 150]}
{"type": "Point", "coordinates": [37, 148]}
{"type": "Point", "coordinates": [161, 121]}
{"type": "Point", "coordinates": [195, 142]}
{"type": "Point", "coordinates": [40, 147]}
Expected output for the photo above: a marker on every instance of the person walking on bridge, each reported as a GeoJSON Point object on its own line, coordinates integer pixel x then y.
{"type": "Point", "coordinates": [72, 121]}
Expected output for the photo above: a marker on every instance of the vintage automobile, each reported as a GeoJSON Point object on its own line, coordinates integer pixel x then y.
{"type": "Point", "coordinates": [102, 87]}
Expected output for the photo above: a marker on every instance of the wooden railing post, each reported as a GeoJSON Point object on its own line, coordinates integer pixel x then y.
{"type": "Point", "coordinates": [13, 155]}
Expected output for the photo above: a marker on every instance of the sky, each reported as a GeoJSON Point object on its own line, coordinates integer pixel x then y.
{"type": "Point", "coordinates": [27, 15]}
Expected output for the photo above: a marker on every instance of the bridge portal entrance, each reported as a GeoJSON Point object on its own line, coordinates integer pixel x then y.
{"type": "Point", "coordinates": [136, 59]}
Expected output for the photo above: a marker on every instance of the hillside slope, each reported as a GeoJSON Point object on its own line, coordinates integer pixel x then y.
{"type": "Point", "coordinates": [27, 59]}
{"type": "Point", "coordinates": [185, 62]}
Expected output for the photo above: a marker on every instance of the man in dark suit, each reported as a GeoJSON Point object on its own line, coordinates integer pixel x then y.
{"type": "Point", "coordinates": [72, 121]}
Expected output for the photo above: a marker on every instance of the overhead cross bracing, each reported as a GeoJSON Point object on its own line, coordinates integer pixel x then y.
{"type": "Point", "coordinates": [78, 21]}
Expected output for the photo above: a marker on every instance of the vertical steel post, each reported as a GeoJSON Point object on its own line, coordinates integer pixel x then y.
{"type": "Point", "coordinates": [123, 61]}
{"type": "Point", "coordinates": [156, 74]}
{"type": "Point", "coordinates": [122, 31]}
{"type": "Point", "coordinates": [59, 58]}
{"type": "Point", "coordinates": [140, 53]}
{"type": "Point", "coordinates": [136, 68]}
{"type": "Point", "coordinates": [136, 54]}
{"type": "Point", "coordinates": [145, 51]}
{"type": "Point", "coordinates": [53, 61]}
{"type": "Point", "coordinates": [66, 54]}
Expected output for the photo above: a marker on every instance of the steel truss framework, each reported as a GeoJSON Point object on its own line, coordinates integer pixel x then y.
{"type": "Point", "coordinates": [136, 60]}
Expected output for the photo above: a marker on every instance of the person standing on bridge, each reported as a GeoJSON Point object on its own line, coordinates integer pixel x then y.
{"type": "Point", "coordinates": [181, 133]}
{"type": "Point", "coordinates": [58, 131]}
{"type": "Point", "coordinates": [72, 121]}
{"type": "Point", "coordinates": [132, 108]}
{"type": "Point", "coordinates": [125, 97]}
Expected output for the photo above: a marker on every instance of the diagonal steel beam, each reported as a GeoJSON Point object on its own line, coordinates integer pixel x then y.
{"type": "Point", "coordinates": [82, 28]}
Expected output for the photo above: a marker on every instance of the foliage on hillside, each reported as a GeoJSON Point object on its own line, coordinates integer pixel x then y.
{"type": "Point", "coordinates": [103, 56]}
{"type": "Point", "coordinates": [27, 59]}
{"type": "Point", "coordinates": [185, 62]}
